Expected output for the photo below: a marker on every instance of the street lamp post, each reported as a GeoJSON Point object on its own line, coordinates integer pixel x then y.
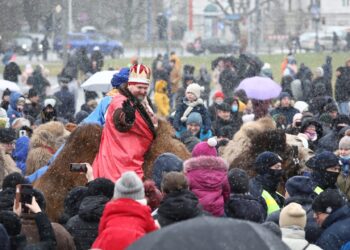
{"type": "Point", "coordinates": [316, 17]}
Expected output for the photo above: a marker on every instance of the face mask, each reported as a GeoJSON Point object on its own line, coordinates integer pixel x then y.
{"type": "Point", "coordinates": [297, 124]}
{"type": "Point", "coordinates": [219, 102]}
{"type": "Point", "coordinates": [271, 179]}
{"type": "Point", "coordinates": [234, 108]}
{"type": "Point", "coordinates": [311, 136]}
{"type": "Point", "coordinates": [49, 115]}
{"type": "Point", "coordinates": [331, 178]}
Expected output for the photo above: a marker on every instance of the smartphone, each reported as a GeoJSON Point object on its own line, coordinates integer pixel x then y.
{"type": "Point", "coordinates": [78, 167]}
{"type": "Point", "coordinates": [22, 133]}
{"type": "Point", "coordinates": [24, 195]}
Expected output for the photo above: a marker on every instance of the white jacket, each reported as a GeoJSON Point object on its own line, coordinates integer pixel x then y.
{"type": "Point", "coordinates": [294, 238]}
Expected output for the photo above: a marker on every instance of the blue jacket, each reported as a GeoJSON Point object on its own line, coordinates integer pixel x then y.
{"type": "Point", "coordinates": [337, 229]}
{"type": "Point", "coordinates": [12, 112]}
{"type": "Point", "coordinates": [98, 115]}
{"type": "Point", "coordinates": [20, 153]}
{"type": "Point", "coordinates": [288, 113]}
{"type": "Point", "coordinates": [199, 109]}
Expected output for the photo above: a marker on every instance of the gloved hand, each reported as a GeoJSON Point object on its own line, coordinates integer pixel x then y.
{"type": "Point", "coordinates": [129, 112]}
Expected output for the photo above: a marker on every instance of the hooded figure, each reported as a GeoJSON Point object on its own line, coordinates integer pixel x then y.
{"type": "Point", "coordinates": [15, 109]}
{"type": "Point", "coordinates": [161, 98]}
{"type": "Point", "coordinates": [264, 185]}
{"type": "Point", "coordinates": [325, 171]}
{"type": "Point", "coordinates": [207, 177]}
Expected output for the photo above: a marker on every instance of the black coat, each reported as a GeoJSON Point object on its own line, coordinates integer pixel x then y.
{"type": "Point", "coordinates": [245, 207]}
{"type": "Point", "coordinates": [11, 72]}
{"type": "Point", "coordinates": [287, 112]}
{"type": "Point", "coordinates": [67, 108]}
{"type": "Point", "coordinates": [84, 226]}
{"type": "Point", "coordinates": [234, 122]}
{"type": "Point", "coordinates": [32, 109]}
{"type": "Point", "coordinates": [178, 206]}
{"type": "Point", "coordinates": [336, 229]}
{"type": "Point", "coordinates": [342, 85]}
{"type": "Point", "coordinates": [312, 230]}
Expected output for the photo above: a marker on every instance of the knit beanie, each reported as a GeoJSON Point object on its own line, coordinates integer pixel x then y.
{"type": "Point", "coordinates": [12, 180]}
{"type": "Point", "coordinates": [166, 162]}
{"type": "Point", "coordinates": [129, 185]}
{"type": "Point", "coordinates": [239, 181]}
{"type": "Point", "coordinates": [218, 94]}
{"type": "Point", "coordinates": [323, 161]}
{"type": "Point", "coordinates": [195, 89]}
{"type": "Point", "coordinates": [121, 77]}
{"type": "Point", "coordinates": [328, 201]}
{"type": "Point", "coordinates": [194, 117]}
{"type": "Point", "coordinates": [283, 95]}
{"type": "Point", "coordinates": [299, 186]}
{"type": "Point", "coordinates": [345, 142]}
{"type": "Point", "coordinates": [266, 160]}
{"type": "Point", "coordinates": [293, 215]}
{"type": "Point", "coordinates": [206, 148]}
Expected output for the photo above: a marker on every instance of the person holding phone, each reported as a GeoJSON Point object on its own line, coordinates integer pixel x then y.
{"type": "Point", "coordinates": [129, 130]}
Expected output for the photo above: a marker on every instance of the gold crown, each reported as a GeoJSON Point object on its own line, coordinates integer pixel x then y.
{"type": "Point", "coordinates": [139, 73]}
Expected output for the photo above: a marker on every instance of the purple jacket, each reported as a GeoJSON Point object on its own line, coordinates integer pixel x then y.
{"type": "Point", "coordinates": [207, 177]}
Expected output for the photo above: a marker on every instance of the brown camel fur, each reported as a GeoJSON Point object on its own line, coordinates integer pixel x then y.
{"type": "Point", "coordinates": [82, 146]}
{"type": "Point", "coordinates": [256, 137]}
{"type": "Point", "coordinates": [165, 142]}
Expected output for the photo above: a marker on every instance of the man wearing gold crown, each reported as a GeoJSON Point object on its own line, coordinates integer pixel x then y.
{"type": "Point", "coordinates": [129, 129]}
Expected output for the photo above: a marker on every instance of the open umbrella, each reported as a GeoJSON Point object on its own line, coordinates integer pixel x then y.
{"type": "Point", "coordinates": [260, 88]}
{"type": "Point", "coordinates": [100, 81]}
{"type": "Point", "coordinates": [12, 86]}
{"type": "Point", "coordinates": [210, 233]}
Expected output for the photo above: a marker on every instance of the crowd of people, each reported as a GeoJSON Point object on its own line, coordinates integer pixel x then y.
{"type": "Point", "coordinates": [121, 203]}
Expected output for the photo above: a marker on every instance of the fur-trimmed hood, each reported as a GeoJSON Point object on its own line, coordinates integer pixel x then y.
{"type": "Point", "coordinates": [205, 163]}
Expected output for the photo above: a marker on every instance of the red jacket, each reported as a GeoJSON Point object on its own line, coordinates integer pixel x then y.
{"type": "Point", "coordinates": [122, 223]}
{"type": "Point", "coordinates": [122, 151]}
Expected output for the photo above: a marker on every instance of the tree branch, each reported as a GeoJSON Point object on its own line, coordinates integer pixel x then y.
{"type": "Point", "coordinates": [216, 2]}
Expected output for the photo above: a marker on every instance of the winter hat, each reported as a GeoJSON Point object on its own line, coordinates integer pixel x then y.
{"type": "Point", "coordinates": [283, 95]}
{"type": "Point", "coordinates": [239, 181]}
{"type": "Point", "coordinates": [330, 107]}
{"type": "Point", "coordinates": [166, 162]}
{"type": "Point", "coordinates": [225, 131]}
{"type": "Point", "coordinates": [293, 215]}
{"type": "Point", "coordinates": [195, 89]}
{"type": "Point", "coordinates": [129, 185]}
{"type": "Point", "coordinates": [121, 77]}
{"type": "Point", "coordinates": [50, 101]}
{"type": "Point", "coordinates": [273, 227]}
{"type": "Point", "coordinates": [299, 186]}
{"type": "Point", "coordinates": [20, 122]}
{"type": "Point", "coordinates": [323, 161]}
{"type": "Point", "coordinates": [7, 135]}
{"type": "Point", "coordinates": [224, 107]}
{"type": "Point", "coordinates": [265, 160]}
{"type": "Point", "coordinates": [101, 186]}
{"type": "Point", "coordinates": [174, 181]}
{"type": "Point", "coordinates": [297, 117]}
{"type": "Point", "coordinates": [341, 119]}
{"type": "Point", "coordinates": [328, 201]}
{"type": "Point", "coordinates": [12, 180]}
{"type": "Point", "coordinates": [301, 106]}
{"type": "Point", "coordinates": [345, 142]}
{"type": "Point", "coordinates": [194, 117]}
{"type": "Point", "coordinates": [6, 92]}
{"type": "Point", "coordinates": [11, 222]}
{"type": "Point", "coordinates": [319, 72]}
{"type": "Point", "coordinates": [219, 94]}
{"type": "Point", "coordinates": [205, 148]}
{"type": "Point", "coordinates": [80, 116]}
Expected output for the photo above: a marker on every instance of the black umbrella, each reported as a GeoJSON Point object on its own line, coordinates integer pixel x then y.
{"type": "Point", "coordinates": [211, 233]}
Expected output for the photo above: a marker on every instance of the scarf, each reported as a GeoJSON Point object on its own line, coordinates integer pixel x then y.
{"type": "Point", "coordinates": [190, 107]}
